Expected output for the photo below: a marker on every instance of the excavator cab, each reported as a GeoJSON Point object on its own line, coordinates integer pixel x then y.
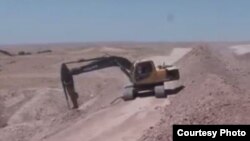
{"type": "Point", "coordinates": [143, 70]}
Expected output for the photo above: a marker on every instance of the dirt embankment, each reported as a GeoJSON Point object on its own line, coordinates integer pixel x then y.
{"type": "Point", "coordinates": [4, 52]}
{"type": "Point", "coordinates": [213, 93]}
{"type": "Point", "coordinates": [32, 106]}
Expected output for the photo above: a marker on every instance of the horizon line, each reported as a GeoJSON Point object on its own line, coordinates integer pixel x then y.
{"type": "Point", "coordinates": [118, 42]}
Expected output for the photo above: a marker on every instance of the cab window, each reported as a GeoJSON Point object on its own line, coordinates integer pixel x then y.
{"type": "Point", "coordinates": [143, 70]}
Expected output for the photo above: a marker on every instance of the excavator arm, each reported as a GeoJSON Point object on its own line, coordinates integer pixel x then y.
{"type": "Point", "coordinates": [103, 62]}
{"type": "Point", "coordinates": [94, 64]}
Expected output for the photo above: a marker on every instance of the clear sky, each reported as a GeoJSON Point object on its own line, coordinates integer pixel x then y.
{"type": "Point", "coordinates": [42, 21]}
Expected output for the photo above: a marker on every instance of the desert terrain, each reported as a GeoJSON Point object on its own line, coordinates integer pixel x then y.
{"type": "Point", "coordinates": [215, 80]}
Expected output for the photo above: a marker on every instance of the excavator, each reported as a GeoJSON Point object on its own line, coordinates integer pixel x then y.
{"type": "Point", "coordinates": [144, 75]}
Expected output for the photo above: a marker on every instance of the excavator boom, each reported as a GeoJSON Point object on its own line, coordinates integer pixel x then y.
{"type": "Point", "coordinates": [103, 62]}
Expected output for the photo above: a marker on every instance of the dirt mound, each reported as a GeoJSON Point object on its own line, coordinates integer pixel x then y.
{"type": "Point", "coordinates": [3, 121]}
{"type": "Point", "coordinates": [200, 62]}
{"type": "Point", "coordinates": [4, 52]}
{"type": "Point", "coordinates": [45, 104]}
{"type": "Point", "coordinates": [241, 49]}
{"type": "Point", "coordinates": [112, 50]}
{"type": "Point", "coordinates": [20, 132]}
{"type": "Point", "coordinates": [245, 57]}
{"type": "Point", "coordinates": [33, 113]}
{"type": "Point", "coordinates": [211, 95]}
{"type": "Point", "coordinates": [44, 51]}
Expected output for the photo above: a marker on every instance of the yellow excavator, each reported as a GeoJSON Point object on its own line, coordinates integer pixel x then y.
{"type": "Point", "coordinates": [143, 75]}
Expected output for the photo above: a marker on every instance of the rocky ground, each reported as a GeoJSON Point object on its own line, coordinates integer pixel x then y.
{"type": "Point", "coordinates": [33, 108]}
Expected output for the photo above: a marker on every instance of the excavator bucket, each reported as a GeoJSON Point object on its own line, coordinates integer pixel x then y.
{"type": "Point", "coordinates": [68, 86]}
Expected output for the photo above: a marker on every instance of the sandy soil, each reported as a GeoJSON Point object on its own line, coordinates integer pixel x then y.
{"type": "Point", "coordinates": [241, 49]}
{"type": "Point", "coordinates": [33, 108]}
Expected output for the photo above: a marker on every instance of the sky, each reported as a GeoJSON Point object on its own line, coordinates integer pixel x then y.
{"type": "Point", "coordinates": [53, 21]}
